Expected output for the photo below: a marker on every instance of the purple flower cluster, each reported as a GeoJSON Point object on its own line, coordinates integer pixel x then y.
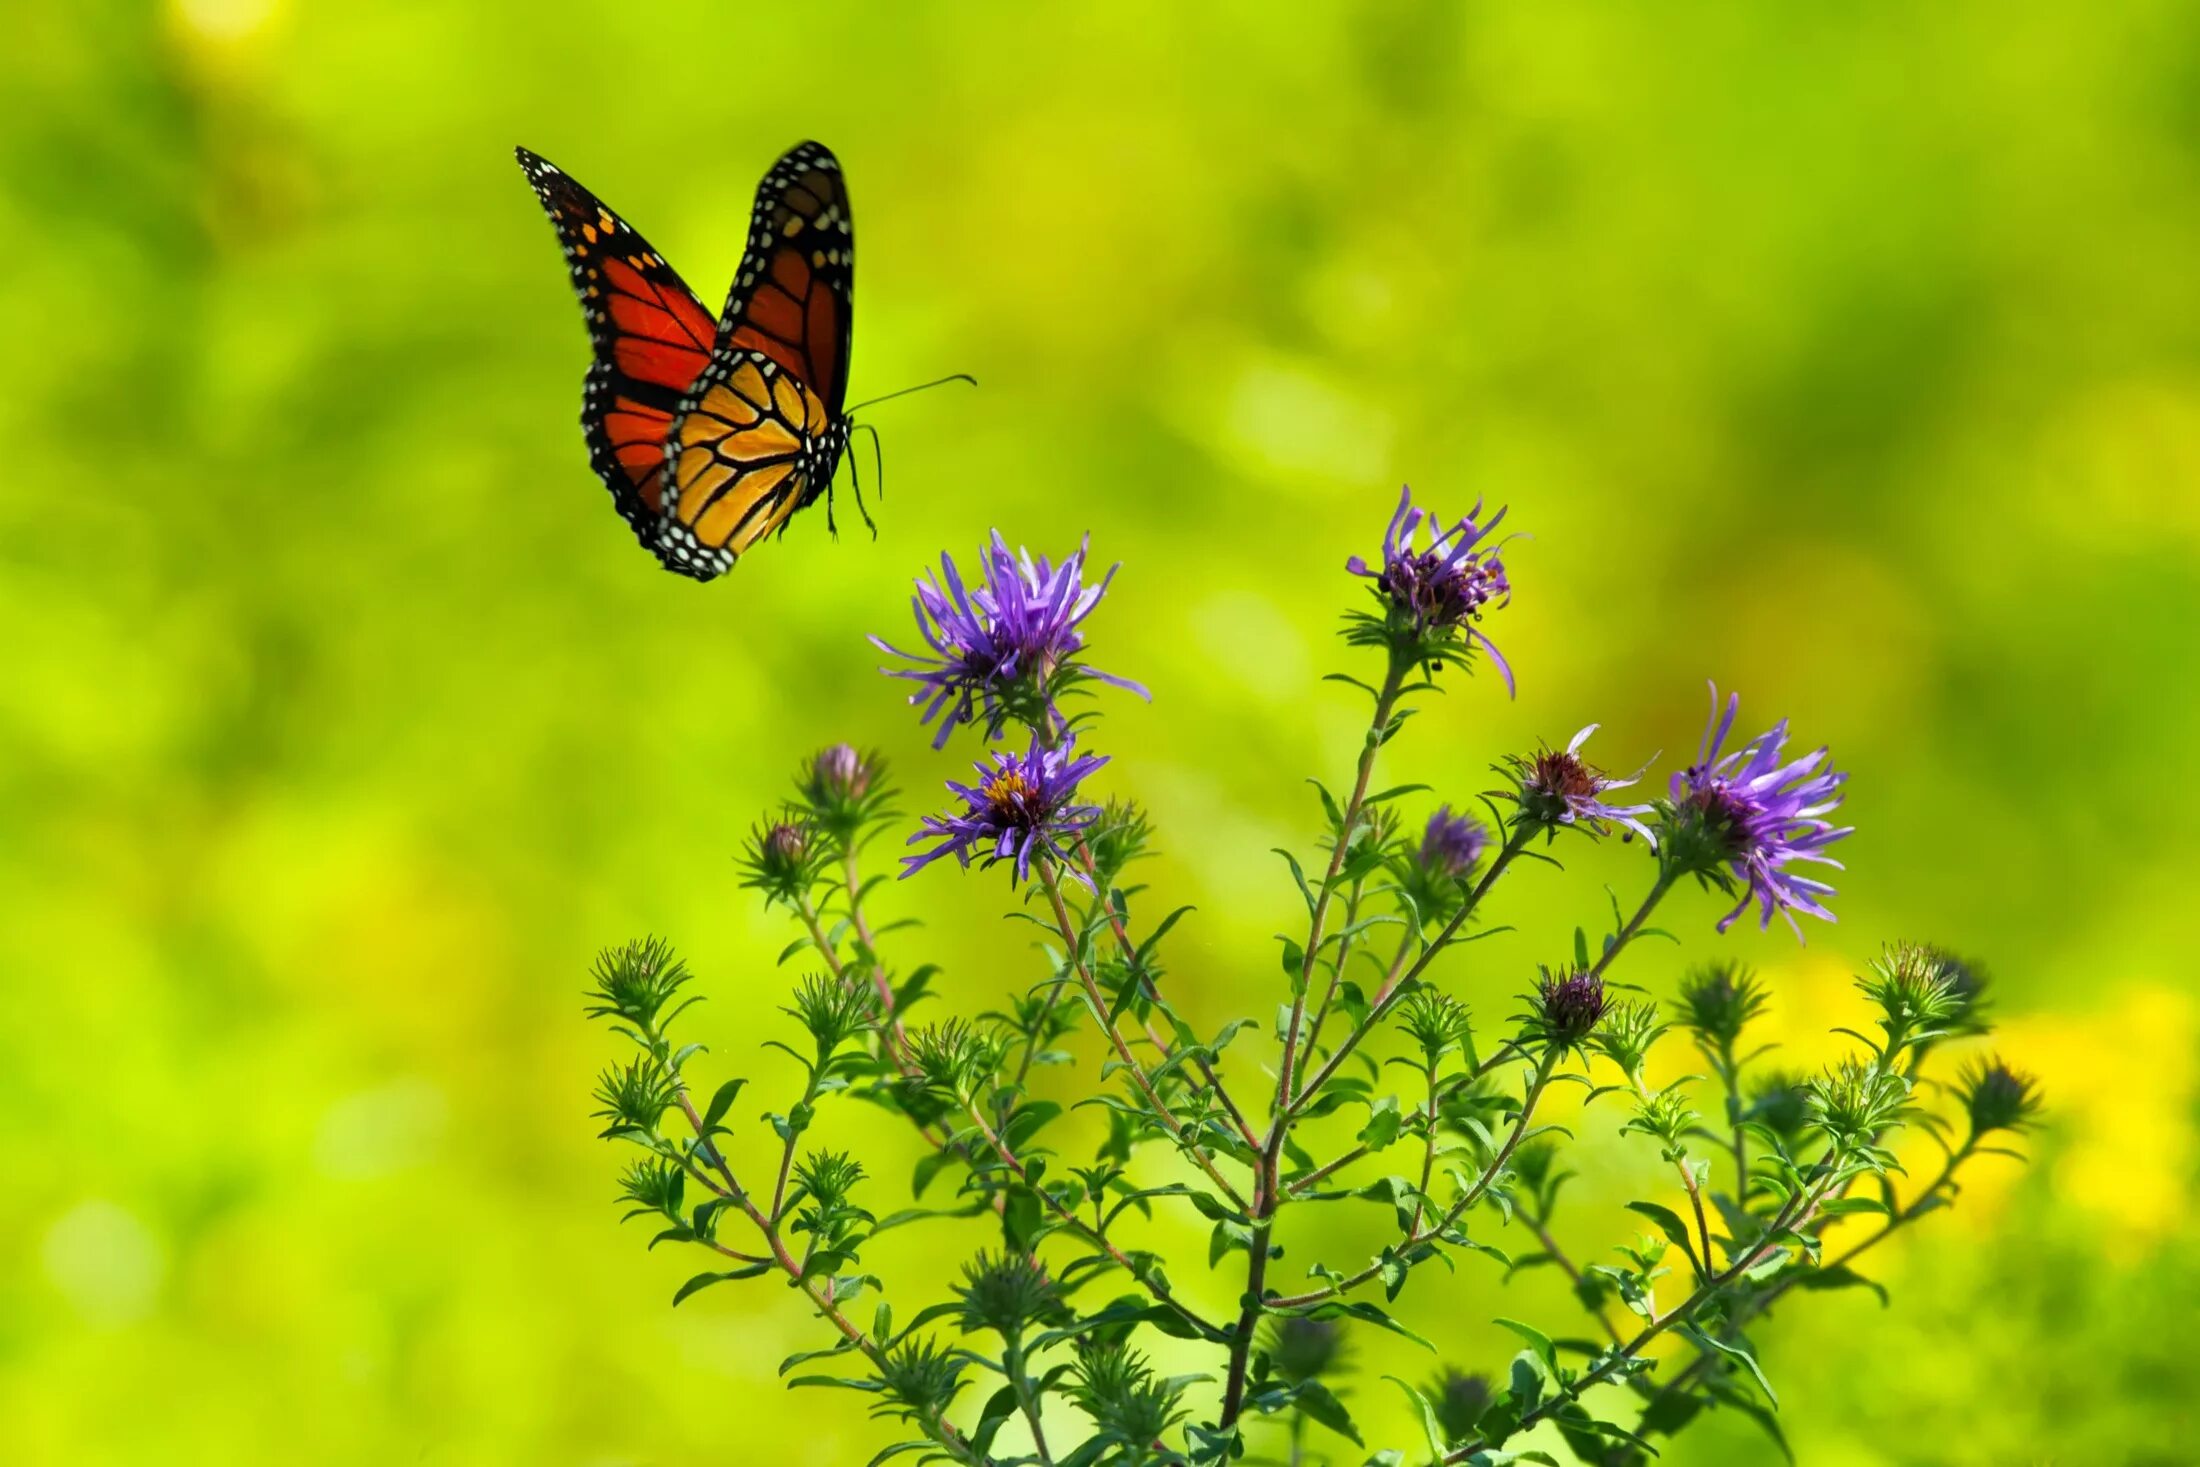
{"type": "Point", "coordinates": [1453, 845]}
{"type": "Point", "coordinates": [1020, 808]}
{"type": "Point", "coordinates": [1762, 812]}
{"type": "Point", "coordinates": [1002, 649]}
{"type": "Point", "coordinates": [1440, 589]}
{"type": "Point", "coordinates": [1559, 787]}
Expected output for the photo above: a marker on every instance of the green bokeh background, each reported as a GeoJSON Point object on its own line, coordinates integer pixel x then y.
{"type": "Point", "coordinates": [1850, 356]}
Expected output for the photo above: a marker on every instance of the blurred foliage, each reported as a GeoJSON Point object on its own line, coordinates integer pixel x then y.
{"type": "Point", "coordinates": [1849, 355]}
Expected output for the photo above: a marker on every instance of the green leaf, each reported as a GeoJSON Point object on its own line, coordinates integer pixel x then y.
{"type": "Point", "coordinates": [1392, 1270]}
{"type": "Point", "coordinates": [1527, 1382]}
{"type": "Point", "coordinates": [1383, 1124]}
{"type": "Point", "coordinates": [1734, 1352]}
{"type": "Point", "coordinates": [703, 1281]}
{"type": "Point", "coordinates": [721, 1101]}
{"type": "Point", "coordinates": [1318, 1402]}
{"type": "Point", "coordinates": [1669, 1223]}
{"type": "Point", "coordinates": [928, 1167]}
{"type": "Point", "coordinates": [1425, 1412]}
{"type": "Point", "coordinates": [1298, 875]}
{"type": "Point", "coordinates": [1367, 1314]}
{"type": "Point", "coordinates": [1540, 1342]}
{"type": "Point", "coordinates": [1841, 1276]}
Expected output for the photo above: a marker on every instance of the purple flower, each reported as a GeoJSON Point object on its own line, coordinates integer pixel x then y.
{"type": "Point", "coordinates": [1756, 814]}
{"type": "Point", "coordinates": [1434, 592]}
{"type": "Point", "coordinates": [1004, 648]}
{"type": "Point", "coordinates": [1569, 1005]}
{"type": "Point", "coordinates": [1019, 808]}
{"type": "Point", "coordinates": [1559, 787]}
{"type": "Point", "coordinates": [1453, 845]}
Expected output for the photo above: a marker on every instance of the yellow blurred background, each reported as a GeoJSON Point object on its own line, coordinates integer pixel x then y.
{"type": "Point", "coordinates": [1850, 356]}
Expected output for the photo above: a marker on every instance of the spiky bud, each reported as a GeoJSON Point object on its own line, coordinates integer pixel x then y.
{"type": "Point", "coordinates": [1008, 1294]}
{"type": "Point", "coordinates": [782, 858]}
{"type": "Point", "coordinates": [1568, 1005]}
{"type": "Point", "coordinates": [1717, 1001]}
{"type": "Point", "coordinates": [634, 983]}
{"type": "Point", "coordinates": [1628, 1031]}
{"type": "Point", "coordinates": [1303, 1348]}
{"type": "Point", "coordinates": [1997, 1097]}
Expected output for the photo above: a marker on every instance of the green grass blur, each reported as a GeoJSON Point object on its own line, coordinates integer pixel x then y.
{"type": "Point", "coordinates": [1848, 355]}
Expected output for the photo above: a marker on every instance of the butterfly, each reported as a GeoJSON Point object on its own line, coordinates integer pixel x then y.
{"type": "Point", "coordinates": [711, 434]}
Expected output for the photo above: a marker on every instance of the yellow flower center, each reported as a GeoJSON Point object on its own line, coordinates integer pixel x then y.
{"type": "Point", "coordinates": [1008, 789]}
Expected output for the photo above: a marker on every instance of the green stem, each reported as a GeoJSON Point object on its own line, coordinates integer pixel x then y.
{"type": "Point", "coordinates": [1175, 1127]}
{"type": "Point", "coordinates": [1452, 1214]}
{"type": "Point", "coordinates": [1090, 1232]}
{"type": "Point", "coordinates": [1541, 1227]}
{"type": "Point", "coordinates": [1398, 983]}
{"type": "Point", "coordinates": [1791, 1217]}
{"type": "Point", "coordinates": [1013, 1362]}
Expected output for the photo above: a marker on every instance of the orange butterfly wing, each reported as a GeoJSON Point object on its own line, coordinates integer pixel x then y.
{"type": "Point", "coordinates": [652, 340]}
{"type": "Point", "coordinates": [746, 452]}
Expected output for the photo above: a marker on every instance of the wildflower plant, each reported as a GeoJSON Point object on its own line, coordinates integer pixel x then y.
{"type": "Point", "coordinates": [1071, 1129]}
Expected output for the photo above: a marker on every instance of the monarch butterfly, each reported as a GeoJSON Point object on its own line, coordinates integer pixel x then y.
{"type": "Point", "coordinates": [711, 435]}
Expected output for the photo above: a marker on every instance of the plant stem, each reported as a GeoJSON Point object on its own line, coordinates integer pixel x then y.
{"type": "Point", "coordinates": [1428, 1152]}
{"type": "Point", "coordinates": [1013, 1361]}
{"type": "Point", "coordinates": [1099, 1003]}
{"type": "Point", "coordinates": [1266, 1194]}
{"type": "Point", "coordinates": [1129, 950]}
{"type": "Point", "coordinates": [1090, 1232]}
{"type": "Point", "coordinates": [1336, 974]}
{"type": "Point", "coordinates": [1386, 702]}
{"type": "Point", "coordinates": [1633, 929]}
{"type": "Point", "coordinates": [1396, 983]}
{"type": "Point", "coordinates": [1542, 1229]}
{"type": "Point", "coordinates": [1452, 1214]}
{"type": "Point", "coordinates": [1796, 1214]}
{"type": "Point", "coordinates": [1453, 1085]}
{"type": "Point", "coordinates": [819, 1294]}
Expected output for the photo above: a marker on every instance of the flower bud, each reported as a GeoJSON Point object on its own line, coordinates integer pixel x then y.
{"type": "Point", "coordinates": [1780, 1101]}
{"type": "Point", "coordinates": [1628, 1032]}
{"type": "Point", "coordinates": [1008, 1294]}
{"type": "Point", "coordinates": [1459, 1399]}
{"type": "Point", "coordinates": [1998, 1098]}
{"type": "Point", "coordinates": [1301, 1348]}
{"type": "Point", "coordinates": [781, 859]}
{"type": "Point", "coordinates": [839, 774]}
{"type": "Point", "coordinates": [1717, 1001]}
{"type": "Point", "coordinates": [1856, 1102]}
{"type": "Point", "coordinates": [1568, 1007]}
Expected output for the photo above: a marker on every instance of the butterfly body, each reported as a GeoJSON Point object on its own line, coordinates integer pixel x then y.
{"type": "Point", "coordinates": [713, 433]}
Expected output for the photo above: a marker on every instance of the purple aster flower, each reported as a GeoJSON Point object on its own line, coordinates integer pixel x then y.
{"type": "Point", "coordinates": [1019, 808]}
{"type": "Point", "coordinates": [1439, 591]}
{"type": "Point", "coordinates": [1453, 845]}
{"type": "Point", "coordinates": [1756, 813]}
{"type": "Point", "coordinates": [1002, 649]}
{"type": "Point", "coordinates": [1559, 787]}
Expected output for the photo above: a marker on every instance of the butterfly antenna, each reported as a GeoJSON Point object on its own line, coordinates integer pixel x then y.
{"type": "Point", "coordinates": [920, 387]}
{"type": "Point", "coordinates": [878, 459]}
